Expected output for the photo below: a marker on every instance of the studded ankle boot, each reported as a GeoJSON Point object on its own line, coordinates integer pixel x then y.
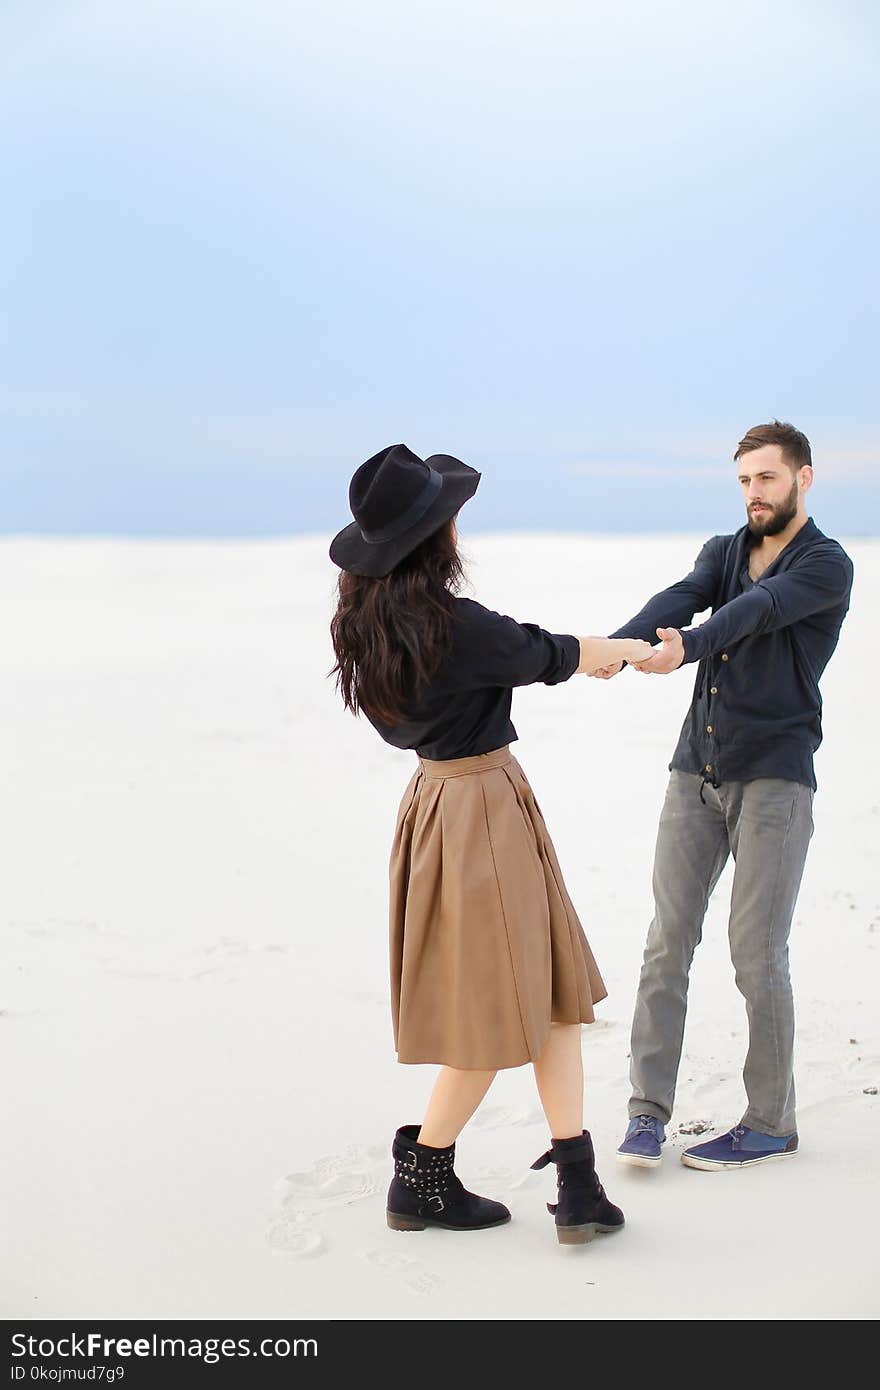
{"type": "Point", "coordinates": [426, 1192]}
{"type": "Point", "coordinates": [582, 1209]}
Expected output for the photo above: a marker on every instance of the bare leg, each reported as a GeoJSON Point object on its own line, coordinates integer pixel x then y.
{"type": "Point", "coordinates": [454, 1099]}
{"type": "Point", "coordinates": [559, 1073]}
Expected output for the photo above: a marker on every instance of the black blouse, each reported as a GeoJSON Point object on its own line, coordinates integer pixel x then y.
{"type": "Point", "coordinates": [466, 708]}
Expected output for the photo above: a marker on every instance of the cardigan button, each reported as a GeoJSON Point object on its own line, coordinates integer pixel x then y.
{"type": "Point", "coordinates": [708, 728]}
{"type": "Point", "coordinates": [713, 690]}
{"type": "Point", "coordinates": [724, 656]}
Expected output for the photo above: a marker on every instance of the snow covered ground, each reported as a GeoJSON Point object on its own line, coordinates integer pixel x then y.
{"type": "Point", "coordinates": [200, 1088]}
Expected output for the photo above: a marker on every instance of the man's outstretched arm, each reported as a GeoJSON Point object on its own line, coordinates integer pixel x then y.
{"type": "Point", "coordinates": [676, 606]}
{"type": "Point", "coordinates": [818, 582]}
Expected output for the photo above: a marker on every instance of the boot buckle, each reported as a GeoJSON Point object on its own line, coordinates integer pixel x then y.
{"type": "Point", "coordinates": [414, 1157]}
{"type": "Point", "coordinates": [436, 1198]}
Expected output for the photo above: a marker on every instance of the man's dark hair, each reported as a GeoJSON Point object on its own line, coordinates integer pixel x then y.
{"type": "Point", "coordinates": [795, 445]}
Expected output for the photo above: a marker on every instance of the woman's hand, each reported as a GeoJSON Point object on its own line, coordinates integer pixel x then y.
{"type": "Point", "coordinates": [605, 673]}
{"type": "Point", "coordinates": [637, 650]}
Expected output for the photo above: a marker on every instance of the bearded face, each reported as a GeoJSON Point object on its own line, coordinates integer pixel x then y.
{"type": "Point", "coordinates": [771, 489]}
{"type": "Point", "coordinates": [767, 518]}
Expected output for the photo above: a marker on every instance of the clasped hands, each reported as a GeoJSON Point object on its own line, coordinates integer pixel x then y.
{"type": "Point", "coordinates": [667, 656]}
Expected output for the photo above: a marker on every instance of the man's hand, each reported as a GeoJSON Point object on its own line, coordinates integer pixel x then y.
{"type": "Point", "coordinates": [606, 672]}
{"type": "Point", "coordinates": [667, 657]}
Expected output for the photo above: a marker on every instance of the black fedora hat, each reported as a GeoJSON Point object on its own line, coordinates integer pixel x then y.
{"type": "Point", "coordinates": [397, 499]}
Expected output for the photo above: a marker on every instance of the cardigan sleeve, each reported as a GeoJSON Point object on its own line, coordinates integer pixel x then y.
{"type": "Point", "coordinates": [676, 606]}
{"type": "Point", "coordinates": [820, 581]}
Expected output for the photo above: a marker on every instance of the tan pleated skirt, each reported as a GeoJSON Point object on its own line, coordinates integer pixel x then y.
{"type": "Point", "coordinates": [486, 947]}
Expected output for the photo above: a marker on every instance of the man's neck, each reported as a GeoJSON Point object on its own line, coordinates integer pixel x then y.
{"type": "Point", "coordinates": [768, 547]}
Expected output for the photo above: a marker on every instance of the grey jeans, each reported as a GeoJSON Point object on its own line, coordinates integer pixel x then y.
{"type": "Point", "coordinates": [766, 824]}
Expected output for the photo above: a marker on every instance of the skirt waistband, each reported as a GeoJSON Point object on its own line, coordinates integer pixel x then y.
{"type": "Point", "coordinates": [459, 767]}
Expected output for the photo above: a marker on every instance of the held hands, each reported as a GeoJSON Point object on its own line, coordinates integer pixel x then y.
{"type": "Point", "coordinates": [636, 652]}
{"type": "Point", "coordinates": [600, 654]}
{"type": "Point", "coordinates": [632, 649]}
{"type": "Point", "coordinates": [656, 661]}
{"type": "Point", "coordinates": [665, 658]}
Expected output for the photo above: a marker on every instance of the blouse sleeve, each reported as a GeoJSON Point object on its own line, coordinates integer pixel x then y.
{"type": "Point", "coordinates": [495, 650]}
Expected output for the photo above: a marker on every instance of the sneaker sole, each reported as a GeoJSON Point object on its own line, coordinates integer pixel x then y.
{"type": "Point", "coordinates": [639, 1160]}
{"type": "Point", "coordinates": [713, 1165]}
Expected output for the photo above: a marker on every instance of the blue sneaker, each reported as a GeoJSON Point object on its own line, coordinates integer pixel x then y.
{"type": "Point", "coordinates": [740, 1147]}
{"type": "Point", "coordinates": [641, 1144]}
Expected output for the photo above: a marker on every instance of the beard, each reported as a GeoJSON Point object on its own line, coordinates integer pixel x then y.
{"type": "Point", "coordinates": [776, 518]}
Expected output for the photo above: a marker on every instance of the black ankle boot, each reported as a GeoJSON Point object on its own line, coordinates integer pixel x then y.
{"type": "Point", "coordinates": [425, 1191]}
{"type": "Point", "coordinates": [582, 1209]}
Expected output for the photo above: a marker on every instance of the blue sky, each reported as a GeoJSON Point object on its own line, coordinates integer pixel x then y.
{"type": "Point", "coordinates": [581, 245]}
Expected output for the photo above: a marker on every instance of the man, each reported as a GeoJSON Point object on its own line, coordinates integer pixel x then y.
{"type": "Point", "coordinates": [741, 782]}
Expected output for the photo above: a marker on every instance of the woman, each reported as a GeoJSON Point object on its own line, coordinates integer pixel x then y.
{"type": "Point", "coordinates": [490, 967]}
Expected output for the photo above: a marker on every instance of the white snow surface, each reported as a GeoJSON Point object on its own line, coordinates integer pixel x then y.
{"type": "Point", "coordinates": [200, 1086]}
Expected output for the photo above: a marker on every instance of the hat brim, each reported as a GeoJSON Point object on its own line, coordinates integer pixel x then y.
{"type": "Point", "coordinates": [351, 552]}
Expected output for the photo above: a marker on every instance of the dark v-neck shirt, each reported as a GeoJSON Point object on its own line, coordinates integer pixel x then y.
{"type": "Point", "coordinates": [756, 710]}
{"type": "Point", "coordinates": [465, 709]}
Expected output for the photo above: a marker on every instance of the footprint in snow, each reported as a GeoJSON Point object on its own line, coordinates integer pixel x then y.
{"type": "Point", "coordinates": [420, 1280]}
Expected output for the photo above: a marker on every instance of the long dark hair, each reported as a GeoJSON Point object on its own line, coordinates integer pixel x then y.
{"type": "Point", "coordinates": [390, 635]}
